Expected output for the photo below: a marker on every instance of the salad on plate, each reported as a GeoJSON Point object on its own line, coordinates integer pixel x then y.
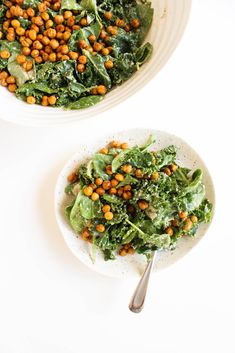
{"type": "Point", "coordinates": [134, 199]}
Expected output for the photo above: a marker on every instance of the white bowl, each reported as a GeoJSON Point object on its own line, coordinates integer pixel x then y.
{"type": "Point", "coordinates": [129, 265]}
{"type": "Point", "coordinates": [170, 18]}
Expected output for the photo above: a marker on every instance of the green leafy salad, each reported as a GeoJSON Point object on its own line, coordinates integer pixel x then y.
{"type": "Point", "coordinates": [132, 199]}
{"type": "Point", "coordinates": [70, 53]}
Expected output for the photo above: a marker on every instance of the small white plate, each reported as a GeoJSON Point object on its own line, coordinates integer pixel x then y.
{"type": "Point", "coordinates": [130, 265]}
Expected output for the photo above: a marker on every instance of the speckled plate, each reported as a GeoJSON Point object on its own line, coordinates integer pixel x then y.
{"type": "Point", "coordinates": [130, 265]}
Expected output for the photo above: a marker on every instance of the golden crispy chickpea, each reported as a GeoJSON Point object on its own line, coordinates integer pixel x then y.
{"type": "Point", "coordinates": [194, 219]}
{"type": "Point", "coordinates": [92, 38]}
{"type": "Point", "coordinates": [120, 191]}
{"type": "Point", "coordinates": [34, 53]}
{"type": "Point", "coordinates": [124, 146]}
{"type": "Point", "coordinates": [108, 216]}
{"type": "Point", "coordinates": [39, 37]}
{"type": "Point", "coordinates": [18, 11]}
{"type": "Point", "coordinates": [88, 191]}
{"type": "Point", "coordinates": [59, 35]}
{"type": "Point", "coordinates": [100, 228]}
{"type": "Point", "coordinates": [56, 6]}
{"type": "Point", "coordinates": [73, 55]}
{"type": "Point", "coordinates": [95, 196]}
{"type": "Point", "coordinates": [82, 59]}
{"type": "Point", "coordinates": [127, 168]}
{"type": "Point", "coordinates": [112, 191]}
{"type": "Point", "coordinates": [32, 34]}
{"type": "Point", "coordinates": [42, 7]}
{"type": "Point", "coordinates": [108, 15]}
{"type": "Point", "coordinates": [187, 224]}
{"type": "Point", "coordinates": [143, 205]}
{"type": "Point", "coordinates": [66, 35]}
{"type": "Point", "coordinates": [70, 22]}
{"type": "Point", "coordinates": [127, 187]}
{"type": "Point", "coordinates": [114, 183]}
{"type": "Point", "coordinates": [119, 177]}
{"type": "Point", "coordinates": [105, 51]}
{"type": "Point", "coordinates": [21, 59]}
{"type": "Point", "coordinates": [48, 49]}
{"type": "Point", "coordinates": [3, 75]}
{"type": "Point", "coordinates": [31, 100]}
{"type": "Point", "coordinates": [72, 177]}
{"type": "Point", "coordinates": [45, 56]}
{"type": "Point", "coordinates": [100, 191]}
{"type": "Point", "coordinates": [135, 23]}
{"type": "Point", "coordinates": [83, 21]}
{"type": "Point", "coordinates": [98, 181]}
{"type": "Point", "coordinates": [67, 15]}
{"type": "Point", "coordinates": [39, 21]}
{"type": "Point", "coordinates": [82, 44]}
{"type": "Point", "coordinates": [169, 231]}
{"type": "Point", "coordinates": [173, 167]}
{"type": "Point", "coordinates": [10, 79]}
{"type": "Point", "coordinates": [138, 173]}
{"type": "Point", "coordinates": [94, 92]}
{"type": "Point", "coordinates": [12, 87]}
{"type": "Point", "coordinates": [76, 27]}
{"type": "Point", "coordinates": [44, 101]}
{"type": "Point", "coordinates": [183, 214]}
{"type": "Point", "coordinates": [127, 28]}
{"type": "Point", "coordinates": [30, 12]}
{"type": "Point", "coordinates": [108, 64]}
{"type": "Point", "coordinates": [130, 250]}
{"type": "Point", "coordinates": [15, 23]}
{"type": "Point", "coordinates": [45, 16]}
{"type": "Point", "coordinates": [37, 45]}
{"type": "Point", "coordinates": [51, 32]}
{"type": "Point", "coordinates": [85, 234]}
{"type": "Point", "coordinates": [104, 150]}
{"type": "Point", "coordinates": [28, 65]}
{"type": "Point", "coordinates": [97, 46]}
{"type": "Point", "coordinates": [1, 34]}
{"type": "Point", "coordinates": [49, 24]}
{"type": "Point", "coordinates": [119, 22]}
{"type": "Point", "coordinates": [106, 208]}
{"type": "Point", "coordinates": [126, 195]}
{"type": "Point", "coordinates": [3, 82]}
{"type": "Point", "coordinates": [81, 68]}
{"type": "Point", "coordinates": [11, 37]}
{"type": "Point", "coordinates": [59, 19]}
{"type": "Point", "coordinates": [65, 57]}
{"type": "Point", "coordinates": [64, 49]}
{"type": "Point", "coordinates": [122, 252]}
{"type": "Point", "coordinates": [155, 176]}
{"type": "Point", "coordinates": [52, 100]}
{"type": "Point", "coordinates": [20, 31]}
{"type": "Point", "coordinates": [101, 90]}
{"type": "Point", "coordinates": [106, 185]}
{"type": "Point", "coordinates": [167, 171]}
{"type": "Point", "coordinates": [112, 30]}
{"type": "Point", "coordinates": [54, 44]}
{"type": "Point", "coordinates": [5, 54]}
{"type": "Point", "coordinates": [52, 57]}
{"type": "Point", "coordinates": [60, 28]}
{"type": "Point", "coordinates": [45, 40]}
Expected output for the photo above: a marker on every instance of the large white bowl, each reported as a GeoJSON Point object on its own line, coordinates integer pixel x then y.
{"type": "Point", "coordinates": [170, 18]}
{"type": "Point", "coordinates": [130, 265]}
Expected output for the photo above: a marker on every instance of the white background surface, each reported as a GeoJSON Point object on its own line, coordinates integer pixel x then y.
{"type": "Point", "coordinates": [51, 303]}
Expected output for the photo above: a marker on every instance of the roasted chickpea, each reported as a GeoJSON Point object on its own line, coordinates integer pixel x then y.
{"type": "Point", "coordinates": [100, 191]}
{"type": "Point", "coordinates": [127, 168]}
{"type": "Point", "coordinates": [108, 64]}
{"type": "Point", "coordinates": [104, 150]}
{"type": "Point", "coordinates": [38, 59]}
{"type": "Point", "coordinates": [122, 252]}
{"type": "Point", "coordinates": [5, 54]}
{"type": "Point", "coordinates": [174, 222]}
{"type": "Point", "coordinates": [101, 90]}
{"type": "Point", "coordinates": [34, 53]}
{"type": "Point", "coordinates": [95, 196]}
{"type": "Point", "coordinates": [119, 22]}
{"type": "Point", "coordinates": [124, 146]}
{"type": "Point", "coordinates": [31, 100]}
{"type": "Point", "coordinates": [52, 100]}
{"type": "Point", "coordinates": [12, 87]}
{"type": "Point", "coordinates": [54, 44]}
{"type": "Point", "coordinates": [3, 75]}
{"type": "Point", "coordinates": [187, 224]}
{"type": "Point", "coordinates": [28, 65]}
{"type": "Point", "coordinates": [67, 15]}
{"type": "Point", "coordinates": [39, 21]}
{"type": "Point", "coordinates": [15, 23]}
{"type": "Point", "coordinates": [126, 195]}
{"type": "Point", "coordinates": [135, 23]}
{"type": "Point", "coordinates": [20, 31]}
{"type": "Point", "coordinates": [130, 250]}
{"type": "Point", "coordinates": [97, 46]}
{"type": "Point", "coordinates": [1, 34]}
{"type": "Point", "coordinates": [119, 177]}
{"type": "Point", "coordinates": [173, 167]}
{"type": "Point", "coordinates": [32, 34]}
{"type": "Point", "coordinates": [11, 37]}
{"type": "Point", "coordinates": [194, 219]}
{"type": "Point", "coordinates": [66, 35]}
{"type": "Point", "coordinates": [70, 22]}
{"type": "Point", "coordinates": [108, 15]}
{"type": "Point", "coordinates": [106, 185]}
{"type": "Point", "coordinates": [82, 44]}
{"type": "Point", "coordinates": [81, 68]}
{"type": "Point", "coordinates": [45, 40]}
{"type": "Point", "coordinates": [85, 234]}
{"type": "Point", "coordinates": [138, 173]}
{"type": "Point", "coordinates": [108, 216]}
{"type": "Point", "coordinates": [98, 181]}
{"type": "Point", "coordinates": [183, 214]}
{"type": "Point", "coordinates": [88, 191]}
{"type": "Point", "coordinates": [48, 49]}
{"type": "Point", "coordinates": [49, 24]}
{"type": "Point", "coordinates": [10, 79]}
{"type": "Point", "coordinates": [21, 59]}
{"type": "Point", "coordinates": [143, 205]}
{"type": "Point", "coordinates": [114, 183]}
{"type": "Point", "coordinates": [52, 57]}
{"type": "Point", "coordinates": [64, 49]}
{"type": "Point", "coordinates": [112, 191]}
{"type": "Point", "coordinates": [169, 231]}
{"type": "Point", "coordinates": [127, 28]}
{"type": "Point", "coordinates": [155, 176]}
{"type": "Point", "coordinates": [167, 171]}
{"type": "Point", "coordinates": [51, 32]}
{"type": "Point", "coordinates": [100, 228]}
{"type": "Point", "coordinates": [59, 19]}
{"type": "Point", "coordinates": [37, 45]}
{"type": "Point", "coordinates": [73, 55]}
{"type": "Point", "coordinates": [45, 56]}
{"type": "Point", "coordinates": [56, 6]}
{"type": "Point", "coordinates": [83, 22]}
{"type": "Point", "coordinates": [72, 177]}
{"type": "Point", "coordinates": [108, 169]}
{"type": "Point", "coordinates": [30, 12]}
{"type": "Point", "coordinates": [106, 208]}
{"type": "Point", "coordinates": [45, 16]}
{"type": "Point", "coordinates": [60, 28]}
{"type": "Point", "coordinates": [44, 101]}
{"type": "Point", "coordinates": [92, 38]}
{"type": "Point", "coordinates": [42, 7]}
{"type": "Point", "coordinates": [112, 30]}
{"type": "Point", "coordinates": [82, 59]}
{"type": "Point", "coordinates": [120, 191]}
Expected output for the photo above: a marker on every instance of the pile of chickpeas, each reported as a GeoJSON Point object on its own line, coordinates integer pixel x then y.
{"type": "Point", "coordinates": [47, 38]}
{"type": "Point", "coordinates": [188, 222]}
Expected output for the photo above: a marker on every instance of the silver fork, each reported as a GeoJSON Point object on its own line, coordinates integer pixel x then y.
{"type": "Point", "coordinates": [138, 298]}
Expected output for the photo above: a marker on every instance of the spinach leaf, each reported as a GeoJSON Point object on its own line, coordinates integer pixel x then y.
{"type": "Point", "coordinates": [145, 15]}
{"type": "Point", "coordinates": [84, 102]}
{"type": "Point", "coordinates": [100, 161]}
{"type": "Point", "coordinates": [18, 72]}
{"type": "Point", "coordinates": [166, 156]}
{"type": "Point", "coordinates": [98, 64]}
{"type": "Point", "coordinates": [143, 54]}
{"type": "Point", "coordinates": [70, 5]}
